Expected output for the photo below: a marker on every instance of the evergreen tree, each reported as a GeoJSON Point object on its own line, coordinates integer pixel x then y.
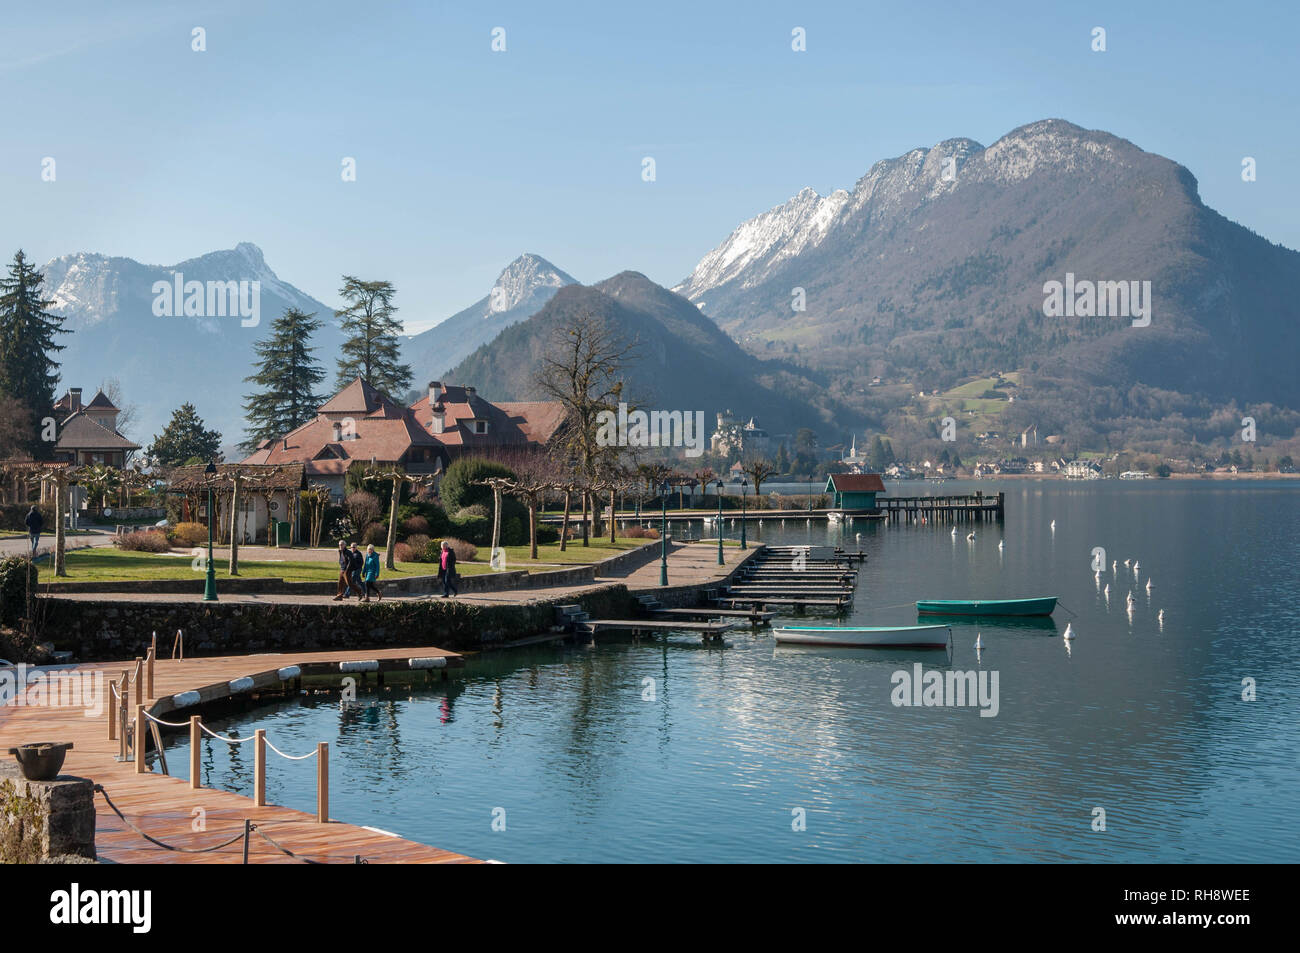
{"type": "Point", "coordinates": [287, 376]}
{"type": "Point", "coordinates": [184, 439]}
{"type": "Point", "coordinates": [782, 460]}
{"type": "Point", "coordinates": [28, 371]}
{"type": "Point", "coordinates": [876, 457]}
{"type": "Point", "coordinates": [371, 350]}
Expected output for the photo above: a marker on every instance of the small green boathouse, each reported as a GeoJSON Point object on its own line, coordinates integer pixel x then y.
{"type": "Point", "coordinates": [854, 491]}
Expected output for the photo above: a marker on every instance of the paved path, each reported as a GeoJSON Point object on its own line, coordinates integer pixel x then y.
{"type": "Point", "coordinates": [20, 546]}
{"type": "Point", "coordinates": [688, 564]}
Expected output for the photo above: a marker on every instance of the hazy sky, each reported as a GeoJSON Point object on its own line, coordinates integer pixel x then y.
{"type": "Point", "coordinates": [467, 157]}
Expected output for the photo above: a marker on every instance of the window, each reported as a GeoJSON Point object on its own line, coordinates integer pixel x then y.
{"type": "Point", "coordinates": [480, 426]}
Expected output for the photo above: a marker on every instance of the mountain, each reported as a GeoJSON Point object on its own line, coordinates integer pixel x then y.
{"type": "Point", "coordinates": [681, 360]}
{"type": "Point", "coordinates": [164, 360]}
{"type": "Point", "coordinates": [931, 271]}
{"type": "Point", "coordinates": [522, 288]}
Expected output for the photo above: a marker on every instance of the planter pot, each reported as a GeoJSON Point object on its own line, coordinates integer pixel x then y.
{"type": "Point", "coordinates": [41, 761]}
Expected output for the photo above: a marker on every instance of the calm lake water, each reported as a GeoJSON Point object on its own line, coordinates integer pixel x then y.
{"type": "Point", "coordinates": [1144, 721]}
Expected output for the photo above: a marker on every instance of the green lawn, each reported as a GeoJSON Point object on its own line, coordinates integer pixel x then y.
{"type": "Point", "coordinates": [105, 564]}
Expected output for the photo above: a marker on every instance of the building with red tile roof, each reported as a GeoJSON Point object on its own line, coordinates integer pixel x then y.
{"type": "Point", "coordinates": [361, 423]}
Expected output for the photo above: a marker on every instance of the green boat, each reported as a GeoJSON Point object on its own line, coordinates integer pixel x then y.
{"type": "Point", "coordinates": [1044, 605]}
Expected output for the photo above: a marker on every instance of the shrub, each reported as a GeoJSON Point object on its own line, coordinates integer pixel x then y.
{"type": "Point", "coordinates": [514, 532]}
{"type": "Point", "coordinates": [190, 534]}
{"type": "Point", "coordinates": [477, 509]}
{"type": "Point", "coordinates": [476, 529]}
{"type": "Point", "coordinates": [419, 546]}
{"type": "Point", "coordinates": [14, 571]}
{"type": "Point", "coordinates": [363, 507]}
{"type": "Point", "coordinates": [458, 489]}
{"type": "Point", "coordinates": [376, 534]}
{"type": "Point", "coordinates": [547, 535]}
{"type": "Point", "coordinates": [435, 517]}
{"type": "Point", "coordinates": [465, 552]}
{"type": "Point", "coordinates": [142, 541]}
{"type": "Point", "coordinates": [640, 532]}
{"type": "Point", "coordinates": [415, 525]}
{"type": "Point", "coordinates": [403, 554]}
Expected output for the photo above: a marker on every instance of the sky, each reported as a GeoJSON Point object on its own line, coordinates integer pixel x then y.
{"type": "Point", "coordinates": [467, 157]}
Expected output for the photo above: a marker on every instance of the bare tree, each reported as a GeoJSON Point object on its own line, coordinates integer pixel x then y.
{"type": "Point", "coordinates": [126, 412]}
{"type": "Point", "coordinates": [397, 476]}
{"type": "Point", "coordinates": [758, 469]}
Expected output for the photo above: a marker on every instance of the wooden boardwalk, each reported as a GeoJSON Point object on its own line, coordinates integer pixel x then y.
{"type": "Point", "coordinates": [164, 806]}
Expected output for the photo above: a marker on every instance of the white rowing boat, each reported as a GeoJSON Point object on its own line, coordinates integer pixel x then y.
{"type": "Point", "coordinates": [910, 636]}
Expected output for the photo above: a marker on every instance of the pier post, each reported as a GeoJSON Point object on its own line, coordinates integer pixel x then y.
{"type": "Point", "coordinates": [322, 783]}
{"type": "Point", "coordinates": [138, 675]}
{"type": "Point", "coordinates": [259, 767]}
{"type": "Point", "coordinates": [195, 737]}
{"type": "Point", "coordinates": [148, 670]}
{"type": "Point", "coordinates": [137, 743]}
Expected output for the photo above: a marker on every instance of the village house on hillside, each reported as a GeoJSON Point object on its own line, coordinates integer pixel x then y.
{"type": "Point", "coordinates": [361, 423]}
{"type": "Point", "coordinates": [88, 434]}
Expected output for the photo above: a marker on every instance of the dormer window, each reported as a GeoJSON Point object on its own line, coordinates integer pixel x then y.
{"type": "Point", "coordinates": [480, 426]}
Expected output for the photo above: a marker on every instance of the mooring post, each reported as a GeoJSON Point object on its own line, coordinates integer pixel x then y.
{"type": "Point", "coordinates": [139, 680]}
{"type": "Point", "coordinates": [138, 742]}
{"type": "Point", "coordinates": [148, 671]}
{"type": "Point", "coordinates": [195, 733]}
{"type": "Point", "coordinates": [322, 782]}
{"type": "Point", "coordinates": [259, 767]}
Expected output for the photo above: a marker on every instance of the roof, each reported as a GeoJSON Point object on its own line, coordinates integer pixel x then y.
{"type": "Point", "coordinates": [286, 477]}
{"type": "Point", "coordinates": [508, 423]}
{"type": "Point", "coordinates": [358, 397]}
{"type": "Point", "coordinates": [81, 432]}
{"type": "Point", "coordinates": [101, 402]}
{"type": "Point", "coordinates": [856, 483]}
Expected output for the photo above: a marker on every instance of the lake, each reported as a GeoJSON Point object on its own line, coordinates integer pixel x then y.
{"type": "Point", "coordinates": [666, 751]}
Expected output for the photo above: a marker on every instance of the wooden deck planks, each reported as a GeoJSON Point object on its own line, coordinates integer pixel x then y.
{"type": "Point", "coordinates": [163, 806]}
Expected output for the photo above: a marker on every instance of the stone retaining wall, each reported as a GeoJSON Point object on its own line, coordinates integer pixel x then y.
{"type": "Point", "coordinates": [115, 629]}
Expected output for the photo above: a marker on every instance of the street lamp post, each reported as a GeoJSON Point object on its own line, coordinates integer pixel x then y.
{"type": "Point", "coordinates": [811, 477]}
{"type": "Point", "coordinates": [719, 489]}
{"type": "Point", "coordinates": [663, 537]}
{"type": "Point", "coordinates": [744, 488]}
{"type": "Point", "coordinates": [210, 586]}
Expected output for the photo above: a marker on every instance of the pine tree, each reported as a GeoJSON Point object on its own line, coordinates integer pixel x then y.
{"type": "Point", "coordinates": [184, 439]}
{"type": "Point", "coordinates": [287, 376]}
{"type": "Point", "coordinates": [371, 350]}
{"type": "Point", "coordinates": [28, 371]}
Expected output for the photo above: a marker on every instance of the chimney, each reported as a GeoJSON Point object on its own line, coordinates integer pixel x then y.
{"type": "Point", "coordinates": [285, 443]}
{"type": "Point", "coordinates": [435, 392]}
{"type": "Point", "coordinates": [470, 391]}
{"type": "Point", "coordinates": [338, 432]}
{"type": "Point", "coordinates": [439, 419]}
{"type": "Point", "coordinates": [74, 395]}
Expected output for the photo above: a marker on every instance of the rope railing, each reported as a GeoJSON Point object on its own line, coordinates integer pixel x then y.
{"type": "Point", "coordinates": [233, 741]}
{"type": "Point", "coordinates": [249, 828]}
{"type": "Point", "coordinates": [289, 757]}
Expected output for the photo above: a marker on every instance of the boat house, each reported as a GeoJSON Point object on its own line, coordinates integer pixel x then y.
{"type": "Point", "coordinates": [854, 491]}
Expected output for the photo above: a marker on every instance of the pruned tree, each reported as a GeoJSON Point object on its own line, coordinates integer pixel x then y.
{"type": "Point", "coordinates": [60, 477]}
{"type": "Point", "coordinates": [758, 469]}
{"type": "Point", "coordinates": [315, 499]}
{"type": "Point", "coordinates": [397, 476]}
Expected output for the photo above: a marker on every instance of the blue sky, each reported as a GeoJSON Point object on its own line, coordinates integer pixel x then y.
{"type": "Point", "coordinates": [466, 157]}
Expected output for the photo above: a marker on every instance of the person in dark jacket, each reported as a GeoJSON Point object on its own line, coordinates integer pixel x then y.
{"type": "Point", "coordinates": [447, 570]}
{"type": "Point", "coordinates": [345, 564]}
{"type": "Point", "coordinates": [35, 522]}
{"type": "Point", "coordinates": [357, 562]}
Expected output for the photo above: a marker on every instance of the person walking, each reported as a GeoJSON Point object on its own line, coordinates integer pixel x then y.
{"type": "Point", "coordinates": [345, 563]}
{"type": "Point", "coordinates": [370, 573]}
{"type": "Point", "coordinates": [355, 563]}
{"type": "Point", "coordinates": [35, 522]}
{"type": "Point", "coordinates": [447, 570]}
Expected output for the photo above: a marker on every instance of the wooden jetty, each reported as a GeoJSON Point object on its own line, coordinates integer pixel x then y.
{"type": "Point", "coordinates": [944, 509]}
{"type": "Point", "coordinates": [708, 630]}
{"type": "Point", "coordinates": [163, 806]}
{"type": "Point", "coordinates": [797, 602]}
{"type": "Point", "coordinates": [752, 616]}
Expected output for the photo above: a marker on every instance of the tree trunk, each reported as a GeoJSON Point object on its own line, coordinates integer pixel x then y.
{"type": "Point", "coordinates": [496, 521]}
{"type": "Point", "coordinates": [389, 556]}
{"type": "Point", "coordinates": [564, 526]}
{"type": "Point", "coordinates": [532, 529]}
{"type": "Point", "coordinates": [611, 516]}
{"type": "Point", "coordinates": [585, 542]}
{"type": "Point", "coordinates": [234, 527]}
{"type": "Point", "coordinates": [60, 488]}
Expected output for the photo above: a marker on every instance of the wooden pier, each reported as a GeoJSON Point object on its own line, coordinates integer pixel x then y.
{"type": "Point", "coordinates": [164, 807]}
{"type": "Point", "coordinates": [943, 509]}
{"type": "Point", "coordinates": [754, 617]}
